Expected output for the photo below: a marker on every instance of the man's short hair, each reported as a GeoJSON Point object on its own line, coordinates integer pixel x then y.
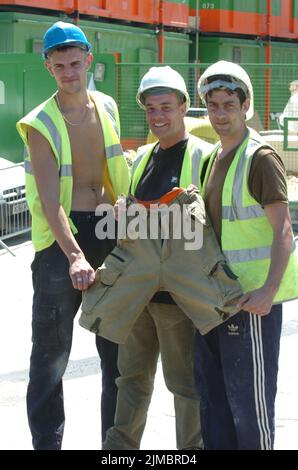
{"type": "Point", "coordinates": [64, 47]}
{"type": "Point", "coordinates": [241, 91]}
{"type": "Point", "coordinates": [161, 91]}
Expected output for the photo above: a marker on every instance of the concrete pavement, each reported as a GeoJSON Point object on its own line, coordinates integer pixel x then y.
{"type": "Point", "coordinates": [82, 380]}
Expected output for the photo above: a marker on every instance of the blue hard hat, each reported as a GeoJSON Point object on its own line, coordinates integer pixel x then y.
{"type": "Point", "coordinates": [64, 34]}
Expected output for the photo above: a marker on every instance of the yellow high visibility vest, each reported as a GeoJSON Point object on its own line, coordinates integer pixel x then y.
{"type": "Point", "coordinates": [195, 154]}
{"type": "Point", "coordinates": [247, 234]}
{"type": "Point", "coordinates": [48, 120]}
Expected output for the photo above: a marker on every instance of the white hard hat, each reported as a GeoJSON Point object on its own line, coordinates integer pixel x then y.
{"type": "Point", "coordinates": [238, 79]}
{"type": "Point", "coordinates": [162, 77]}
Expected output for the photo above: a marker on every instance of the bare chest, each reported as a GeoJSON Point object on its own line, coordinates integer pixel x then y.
{"type": "Point", "coordinates": [88, 150]}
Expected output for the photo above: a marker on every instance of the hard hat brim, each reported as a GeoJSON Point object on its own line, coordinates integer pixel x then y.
{"type": "Point", "coordinates": [173, 90]}
{"type": "Point", "coordinates": [67, 43]}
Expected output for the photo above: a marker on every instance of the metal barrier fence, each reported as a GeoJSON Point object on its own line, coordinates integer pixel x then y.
{"type": "Point", "coordinates": [271, 95]}
{"type": "Point", "coordinates": [14, 214]}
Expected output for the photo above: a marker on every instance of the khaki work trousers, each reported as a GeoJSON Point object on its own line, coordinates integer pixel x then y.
{"type": "Point", "coordinates": [164, 329]}
{"type": "Point", "coordinates": [199, 280]}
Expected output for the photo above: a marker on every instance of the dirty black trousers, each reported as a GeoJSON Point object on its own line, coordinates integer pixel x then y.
{"type": "Point", "coordinates": [236, 368]}
{"type": "Point", "coordinates": [55, 304]}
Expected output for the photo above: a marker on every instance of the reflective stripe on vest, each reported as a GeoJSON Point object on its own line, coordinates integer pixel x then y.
{"type": "Point", "coordinates": [238, 210]}
{"type": "Point", "coordinates": [111, 112]}
{"type": "Point", "coordinates": [195, 165]}
{"type": "Point", "coordinates": [241, 211]}
{"type": "Point", "coordinates": [52, 129]}
{"type": "Point", "coordinates": [114, 150]}
{"type": "Point", "coordinates": [251, 254]}
{"type": "Point", "coordinates": [65, 170]}
{"type": "Point", "coordinates": [47, 119]}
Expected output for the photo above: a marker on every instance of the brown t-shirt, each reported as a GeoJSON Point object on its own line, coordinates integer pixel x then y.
{"type": "Point", "coordinates": [266, 182]}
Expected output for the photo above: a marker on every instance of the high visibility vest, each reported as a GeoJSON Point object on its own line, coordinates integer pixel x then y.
{"type": "Point", "coordinates": [247, 235]}
{"type": "Point", "coordinates": [48, 120]}
{"type": "Point", "coordinates": [195, 154]}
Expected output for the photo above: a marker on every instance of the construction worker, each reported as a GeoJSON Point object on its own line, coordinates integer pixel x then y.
{"type": "Point", "coordinates": [162, 327]}
{"type": "Point", "coordinates": [74, 162]}
{"type": "Point", "coordinates": [246, 197]}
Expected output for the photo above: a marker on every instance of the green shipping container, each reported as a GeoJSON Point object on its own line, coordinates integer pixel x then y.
{"type": "Point", "coordinates": [20, 32]}
{"type": "Point", "coordinates": [212, 49]}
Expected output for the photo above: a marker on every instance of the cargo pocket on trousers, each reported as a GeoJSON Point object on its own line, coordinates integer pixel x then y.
{"type": "Point", "coordinates": [226, 284]}
{"type": "Point", "coordinates": [106, 276]}
{"type": "Point", "coordinates": [223, 276]}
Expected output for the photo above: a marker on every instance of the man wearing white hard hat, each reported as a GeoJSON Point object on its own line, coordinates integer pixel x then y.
{"type": "Point", "coordinates": [246, 197]}
{"type": "Point", "coordinates": [162, 327]}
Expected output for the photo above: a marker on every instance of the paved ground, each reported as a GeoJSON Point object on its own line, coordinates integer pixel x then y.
{"type": "Point", "coordinates": [82, 381]}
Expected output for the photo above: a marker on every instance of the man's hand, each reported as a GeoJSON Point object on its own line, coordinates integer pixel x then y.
{"type": "Point", "coordinates": [120, 205]}
{"type": "Point", "coordinates": [81, 273]}
{"type": "Point", "coordinates": [258, 301]}
{"type": "Point", "coordinates": [191, 188]}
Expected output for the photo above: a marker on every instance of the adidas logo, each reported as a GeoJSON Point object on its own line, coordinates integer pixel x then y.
{"type": "Point", "coordinates": [233, 329]}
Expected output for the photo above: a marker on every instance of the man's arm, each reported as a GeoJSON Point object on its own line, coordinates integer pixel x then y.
{"type": "Point", "coordinates": [48, 186]}
{"type": "Point", "coordinates": [260, 300]}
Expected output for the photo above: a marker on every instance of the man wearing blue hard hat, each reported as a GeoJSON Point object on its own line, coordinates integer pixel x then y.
{"type": "Point", "coordinates": [61, 34]}
{"type": "Point", "coordinates": [74, 162]}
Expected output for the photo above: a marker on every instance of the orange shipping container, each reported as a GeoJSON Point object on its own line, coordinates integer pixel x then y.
{"type": "Point", "coordinates": [129, 10]}
{"type": "Point", "coordinates": [66, 6]}
{"type": "Point", "coordinates": [175, 13]}
{"type": "Point", "coordinates": [215, 17]}
{"type": "Point", "coordinates": [278, 18]}
{"type": "Point", "coordinates": [172, 13]}
{"type": "Point", "coordinates": [284, 21]}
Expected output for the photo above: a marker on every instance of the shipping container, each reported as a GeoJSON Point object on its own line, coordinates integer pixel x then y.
{"type": "Point", "coordinates": [172, 13]}
{"type": "Point", "coordinates": [21, 32]}
{"type": "Point", "coordinates": [236, 50]}
{"type": "Point", "coordinates": [175, 13]}
{"type": "Point", "coordinates": [221, 16]}
{"type": "Point", "coordinates": [232, 17]}
{"type": "Point", "coordinates": [66, 6]}
{"type": "Point", "coordinates": [277, 18]}
{"type": "Point", "coordinates": [284, 19]}
{"type": "Point", "coordinates": [129, 10]}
